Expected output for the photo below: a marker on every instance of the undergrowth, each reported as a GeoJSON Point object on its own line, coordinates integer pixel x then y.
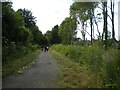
{"type": "Point", "coordinates": [103, 64]}
{"type": "Point", "coordinates": [73, 75]}
{"type": "Point", "coordinates": [16, 66]}
{"type": "Point", "coordinates": [14, 51]}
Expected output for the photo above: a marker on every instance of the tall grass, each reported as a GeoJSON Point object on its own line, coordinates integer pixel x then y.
{"type": "Point", "coordinates": [104, 63]}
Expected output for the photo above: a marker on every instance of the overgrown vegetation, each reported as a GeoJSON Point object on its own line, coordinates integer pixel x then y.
{"type": "Point", "coordinates": [100, 56]}
{"type": "Point", "coordinates": [20, 37]}
{"type": "Point", "coordinates": [105, 65]}
{"type": "Point", "coordinates": [16, 66]}
{"type": "Point", "coordinates": [72, 75]}
{"type": "Point", "coordinates": [13, 51]}
{"type": "Point", "coordinates": [91, 63]}
{"type": "Point", "coordinates": [19, 33]}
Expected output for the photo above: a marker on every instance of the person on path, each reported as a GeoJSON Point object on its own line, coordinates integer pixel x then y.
{"type": "Point", "coordinates": [46, 48]}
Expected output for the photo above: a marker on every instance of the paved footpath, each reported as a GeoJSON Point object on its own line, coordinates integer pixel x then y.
{"type": "Point", "coordinates": [42, 74]}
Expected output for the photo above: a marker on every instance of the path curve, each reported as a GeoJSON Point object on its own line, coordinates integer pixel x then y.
{"type": "Point", "coordinates": [42, 74]}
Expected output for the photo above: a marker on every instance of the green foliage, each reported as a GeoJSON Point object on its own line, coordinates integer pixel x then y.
{"type": "Point", "coordinates": [73, 75]}
{"type": "Point", "coordinates": [20, 26]}
{"type": "Point", "coordinates": [112, 68]}
{"type": "Point", "coordinates": [29, 19]}
{"type": "Point", "coordinates": [30, 23]}
{"type": "Point", "coordinates": [20, 34]}
{"type": "Point", "coordinates": [105, 64]}
{"type": "Point", "coordinates": [55, 38]}
{"type": "Point", "coordinates": [11, 23]}
{"type": "Point", "coordinates": [23, 34]}
{"type": "Point", "coordinates": [16, 66]}
{"type": "Point", "coordinates": [14, 51]}
{"type": "Point", "coordinates": [67, 30]}
{"type": "Point", "coordinates": [52, 36]}
{"type": "Point", "coordinates": [82, 9]}
{"type": "Point", "coordinates": [38, 37]}
{"type": "Point", "coordinates": [48, 36]}
{"type": "Point", "coordinates": [15, 36]}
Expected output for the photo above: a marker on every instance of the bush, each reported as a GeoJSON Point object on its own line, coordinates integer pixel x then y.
{"type": "Point", "coordinates": [111, 67]}
{"type": "Point", "coordinates": [90, 56]}
{"type": "Point", "coordinates": [14, 51]}
{"type": "Point", "coordinates": [105, 64]}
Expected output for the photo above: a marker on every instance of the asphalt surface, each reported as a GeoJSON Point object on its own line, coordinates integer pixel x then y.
{"type": "Point", "coordinates": [42, 74]}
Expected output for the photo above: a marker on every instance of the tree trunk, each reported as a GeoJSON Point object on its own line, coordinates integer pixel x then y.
{"type": "Point", "coordinates": [112, 13]}
{"type": "Point", "coordinates": [91, 26]}
{"type": "Point", "coordinates": [83, 31]}
{"type": "Point", "coordinates": [106, 31]}
{"type": "Point", "coordinates": [99, 37]}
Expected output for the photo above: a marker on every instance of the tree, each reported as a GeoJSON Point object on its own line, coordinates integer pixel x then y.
{"type": "Point", "coordinates": [98, 19]}
{"type": "Point", "coordinates": [67, 30]}
{"type": "Point", "coordinates": [20, 33]}
{"type": "Point", "coordinates": [38, 37]}
{"type": "Point", "coordinates": [81, 15]}
{"type": "Point", "coordinates": [52, 36]}
{"type": "Point", "coordinates": [13, 25]}
{"type": "Point", "coordinates": [105, 29]}
{"type": "Point", "coordinates": [112, 19]}
{"type": "Point", "coordinates": [84, 11]}
{"type": "Point", "coordinates": [105, 33]}
{"type": "Point", "coordinates": [29, 19]}
{"type": "Point", "coordinates": [48, 36]}
{"type": "Point", "coordinates": [30, 23]}
{"type": "Point", "coordinates": [55, 38]}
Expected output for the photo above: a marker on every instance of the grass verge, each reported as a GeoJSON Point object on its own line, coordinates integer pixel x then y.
{"type": "Point", "coordinates": [16, 66]}
{"type": "Point", "coordinates": [72, 75]}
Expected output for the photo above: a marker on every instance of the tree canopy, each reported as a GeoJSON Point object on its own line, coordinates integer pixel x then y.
{"type": "Point", "coordinates": [20, 26]}
{"type": "Point", "coordinates": [67, 30]}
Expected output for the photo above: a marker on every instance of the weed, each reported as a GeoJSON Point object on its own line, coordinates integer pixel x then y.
{"type": "Point", "coordinates": [15, 66]}
{"type": "Point", "coordinates": [104, 64]}
{"type": "Point", "coordinates": [72, 75]}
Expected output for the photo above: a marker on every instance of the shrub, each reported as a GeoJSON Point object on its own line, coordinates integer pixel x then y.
{"type": "Point", "coordinates": [14, 51]}
{"type": "Point", "coordinates": [105, 64]}
{"type": "Point", "coordinates": [111, 67]}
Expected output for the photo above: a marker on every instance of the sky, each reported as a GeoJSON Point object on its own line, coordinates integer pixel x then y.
{"type": "Point", "coordinates": [49, 13]}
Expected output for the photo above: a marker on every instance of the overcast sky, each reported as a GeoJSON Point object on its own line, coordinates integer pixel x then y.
{"type": "Point", "coordinates": [49, 13]}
